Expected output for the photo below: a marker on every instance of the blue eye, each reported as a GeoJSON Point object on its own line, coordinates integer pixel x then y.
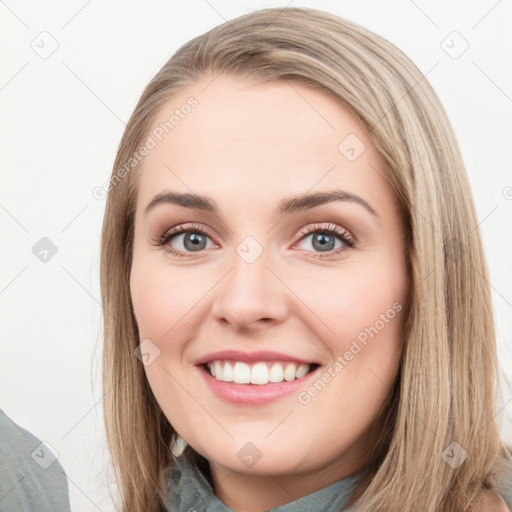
{"type": "Point", "coordinates": [324, 238]}
{"type": "Point", "coordinates": [193, 238]}
{"type": "Point", "coordinates": [327, 240]}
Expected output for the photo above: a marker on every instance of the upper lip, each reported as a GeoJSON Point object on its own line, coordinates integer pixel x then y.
{"type": "Point", "coordinates": [250, 357]}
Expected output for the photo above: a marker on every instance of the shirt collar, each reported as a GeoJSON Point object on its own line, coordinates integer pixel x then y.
{"type": "Point", "coordinates": [189, 489]}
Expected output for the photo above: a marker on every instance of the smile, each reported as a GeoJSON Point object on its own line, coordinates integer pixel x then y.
{"type": "Point", "coordinates": [259, 373]}
{"type": "Point", "coordinates": [255, 378]}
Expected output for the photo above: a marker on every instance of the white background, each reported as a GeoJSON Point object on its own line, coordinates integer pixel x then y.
{"type": "Point", "coordinates": [62, 119]}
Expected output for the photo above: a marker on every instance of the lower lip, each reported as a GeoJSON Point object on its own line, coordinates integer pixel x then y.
{"type": "Point", "coordinates": [254, 393]}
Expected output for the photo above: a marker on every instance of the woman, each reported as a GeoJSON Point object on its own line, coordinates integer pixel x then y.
{"type": "Point", "coordinates": [294, 285]}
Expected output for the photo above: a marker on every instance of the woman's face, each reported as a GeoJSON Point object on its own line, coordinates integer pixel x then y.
{"type": "Point", "coordinates": [266, 285]}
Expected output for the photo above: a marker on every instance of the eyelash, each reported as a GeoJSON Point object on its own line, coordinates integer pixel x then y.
{"type": "Point", "coordinates": [342, 234]}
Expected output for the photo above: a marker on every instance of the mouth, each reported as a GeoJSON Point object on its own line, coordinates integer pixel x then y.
{"type": "Point", "coordinates": [258, 373]}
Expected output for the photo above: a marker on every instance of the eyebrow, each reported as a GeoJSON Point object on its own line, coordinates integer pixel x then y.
{"type": "Point", "coordinates": [288, 205]}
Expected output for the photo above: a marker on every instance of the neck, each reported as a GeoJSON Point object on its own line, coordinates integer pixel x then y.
{"type": "Point", "coordinates": [256, 493]}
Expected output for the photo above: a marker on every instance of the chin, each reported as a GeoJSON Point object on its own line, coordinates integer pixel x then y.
{"type": "Point", "coordinates": [256, 459]}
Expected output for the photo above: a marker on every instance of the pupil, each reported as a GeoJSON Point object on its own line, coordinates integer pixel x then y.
{"type": "Point", "coordinates": [323, 242]}
{"type": "Point", "coordinates": [194, 241]}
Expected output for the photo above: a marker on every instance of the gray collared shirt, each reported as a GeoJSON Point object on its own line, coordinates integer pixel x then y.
{"type": "Point", "coordinates": [30, 476]}
{"type": "Point", "coordinates": [189, 490]}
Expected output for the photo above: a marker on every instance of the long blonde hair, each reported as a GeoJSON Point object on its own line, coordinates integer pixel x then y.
{"type": "Point", "coordinates": [447, 387]}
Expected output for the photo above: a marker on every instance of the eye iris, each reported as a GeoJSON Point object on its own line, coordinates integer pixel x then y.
{"type": "Point", "coordinates": [194, 241]}
{"type": "Point", "coordinates": [323, 241]}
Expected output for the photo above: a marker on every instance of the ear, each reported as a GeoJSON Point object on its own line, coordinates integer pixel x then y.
{"type": "Point", "coordinates": [490, 501]}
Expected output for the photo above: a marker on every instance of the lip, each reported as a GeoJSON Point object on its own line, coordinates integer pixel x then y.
{"type": "Point", "coordinates": [251, 357]}
{"type": "Point", "coordinates": [254, 394]}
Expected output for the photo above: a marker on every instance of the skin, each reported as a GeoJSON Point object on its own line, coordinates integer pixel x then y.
{"type": "Point", "coordinates": [248, 146]}
{"type": "Point", "coordinates": [492, 502]}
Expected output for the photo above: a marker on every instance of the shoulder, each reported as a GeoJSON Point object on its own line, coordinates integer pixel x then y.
{"type": "Point", "coordinates": [30, 475]}
{"type": "Point", "coordinates": [15, 437]}
{"type": "Point", "coordinates": [22, 449]}
{"type": "Point", "coordinates": [492, 502]}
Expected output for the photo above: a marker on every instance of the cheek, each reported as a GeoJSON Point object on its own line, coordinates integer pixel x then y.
{"type": "Point", "coordinates": [165, 304]}
{"type": "Point", "coordinates": [163, 298]}
{"type": "Point", "coordinates": [365, 313]}
{"type": "Point", "coordinates": [354, 303]}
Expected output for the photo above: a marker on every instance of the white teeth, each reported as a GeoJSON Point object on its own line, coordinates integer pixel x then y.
{"type": "Point", "coordinates": [217, 369]}
{"type": "Point", "coordinates": [241, 373]}
{"type": "Point", "coordinates": [276, 373]}
{"type": "Point", "coordinates": [227, 374]}
{"type": "Point", "coordinates": [301, 371]}
{"type": "Point", "coordinates": [260, 373]}
{"type": "Point", "coordinates": [289, 372]}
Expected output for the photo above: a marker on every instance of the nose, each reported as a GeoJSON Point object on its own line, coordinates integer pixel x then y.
{"type": "Point", "coordinates": [251, 296]}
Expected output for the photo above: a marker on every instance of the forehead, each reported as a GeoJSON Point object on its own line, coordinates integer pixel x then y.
{"type": "Point", "coordinates": [258, 142]}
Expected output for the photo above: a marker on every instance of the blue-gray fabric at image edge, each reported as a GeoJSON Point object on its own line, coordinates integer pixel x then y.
{"type": "Point", "coordinates": [189, 490]}
{"type": "Point", "coordinates": [25, 485]}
